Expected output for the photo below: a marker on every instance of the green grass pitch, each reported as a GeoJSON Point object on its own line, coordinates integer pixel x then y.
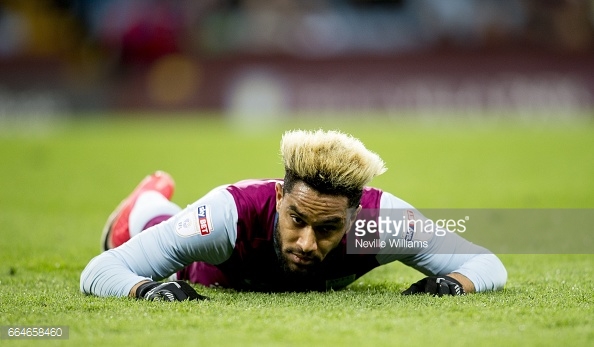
{"type": "Point", "coordinates": [59, 185]}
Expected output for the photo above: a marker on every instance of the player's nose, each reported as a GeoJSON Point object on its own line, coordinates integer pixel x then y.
{"type": "Point", "coordinates": [307, 240]}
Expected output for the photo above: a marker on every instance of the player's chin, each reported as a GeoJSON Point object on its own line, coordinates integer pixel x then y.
{"type": "Point", "coordinates": [301, 269]}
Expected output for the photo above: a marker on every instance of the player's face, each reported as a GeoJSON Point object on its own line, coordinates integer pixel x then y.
{"type": "Point", "coordinates": [310, 225]}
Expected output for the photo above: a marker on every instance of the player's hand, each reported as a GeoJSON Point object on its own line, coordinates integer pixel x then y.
{"type": "Point", "coordinates": [437, 286]}
{"type": "Point", "coordinates": [168, 291]}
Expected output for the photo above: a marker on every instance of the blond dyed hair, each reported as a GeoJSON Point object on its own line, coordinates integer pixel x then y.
{"type": "Point", "coordinates": [329, 161]}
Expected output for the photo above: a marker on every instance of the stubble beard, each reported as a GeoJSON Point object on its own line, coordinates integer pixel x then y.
{"type": "Point", "coordinates": [292, 274]}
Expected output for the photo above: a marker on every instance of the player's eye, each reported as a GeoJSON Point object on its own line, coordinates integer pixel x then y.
{"type": "Point", "coordinates": [297, 221]}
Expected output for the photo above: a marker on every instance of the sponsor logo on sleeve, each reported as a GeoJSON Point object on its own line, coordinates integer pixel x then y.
{"type": "Point", "coordinates": [195, 221]}
{"type": "Point", "coordinates": [204, 223]}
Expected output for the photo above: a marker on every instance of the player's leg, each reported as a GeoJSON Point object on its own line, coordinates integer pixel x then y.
{"type": "Point", "coordinates": [150, 209]}
{"type": "Point", "coordinates": [147, 205]}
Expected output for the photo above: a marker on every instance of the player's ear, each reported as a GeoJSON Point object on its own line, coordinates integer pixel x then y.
{"type": "Point", "coordinates": [279, 194]}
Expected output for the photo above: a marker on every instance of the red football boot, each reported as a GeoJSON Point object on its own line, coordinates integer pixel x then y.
{"type": "Point", "coordinates": [116, 231]}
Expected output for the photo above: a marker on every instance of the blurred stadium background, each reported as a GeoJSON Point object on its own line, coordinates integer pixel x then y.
{"type": "Point", "coordinates": [256, 59]}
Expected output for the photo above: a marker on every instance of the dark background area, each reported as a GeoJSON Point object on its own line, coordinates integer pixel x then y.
{"type": "Point", "coordinates": [246, 57]}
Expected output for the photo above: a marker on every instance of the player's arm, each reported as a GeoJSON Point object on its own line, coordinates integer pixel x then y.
{"type": "Point", "coordinates": [132, 293]}
{"type": "Point", "coordinates": [466, 283]}
{"type": "Point", "coordinates": [162, 250]}
{"type": "Point", "coordinates": [452, 264]}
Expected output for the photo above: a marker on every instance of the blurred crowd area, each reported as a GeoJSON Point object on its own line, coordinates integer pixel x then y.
{"type": "Point", "coordinates": [138, 31]}
{"type": "Point", "coordinates": [84, 50]}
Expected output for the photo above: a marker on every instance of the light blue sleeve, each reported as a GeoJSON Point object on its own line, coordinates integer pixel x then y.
{"type": "Point", "coordinates": [204, 231]}
{"type": "Point", "coordinates": [440, 255]}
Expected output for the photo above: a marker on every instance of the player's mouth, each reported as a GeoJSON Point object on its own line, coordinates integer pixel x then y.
{"type": "Point", "coordinates": [301, 260]}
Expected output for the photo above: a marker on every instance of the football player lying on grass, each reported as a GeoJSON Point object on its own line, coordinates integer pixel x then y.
{"type": "Point", "coordinates": [290, 234]}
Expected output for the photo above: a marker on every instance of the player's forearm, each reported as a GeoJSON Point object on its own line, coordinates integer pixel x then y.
{"type": "Point", "coordinates": [480, 270]}
{"type": "Point", "coordinates": [106, 276]}
{"type": "Point", "coordinates": [466, 283]}
{"type": "Point", "coordinates": [134, 289]}
{"type": "Point", "coordinates": [485, 271]}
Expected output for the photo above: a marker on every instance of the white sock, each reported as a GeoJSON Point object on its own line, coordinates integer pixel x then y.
{"type": "Point", "coordinates": [149, 205]}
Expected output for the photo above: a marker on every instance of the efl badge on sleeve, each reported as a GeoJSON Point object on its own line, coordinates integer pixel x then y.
{"type": "Point", "coordinates": [185, 225]}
